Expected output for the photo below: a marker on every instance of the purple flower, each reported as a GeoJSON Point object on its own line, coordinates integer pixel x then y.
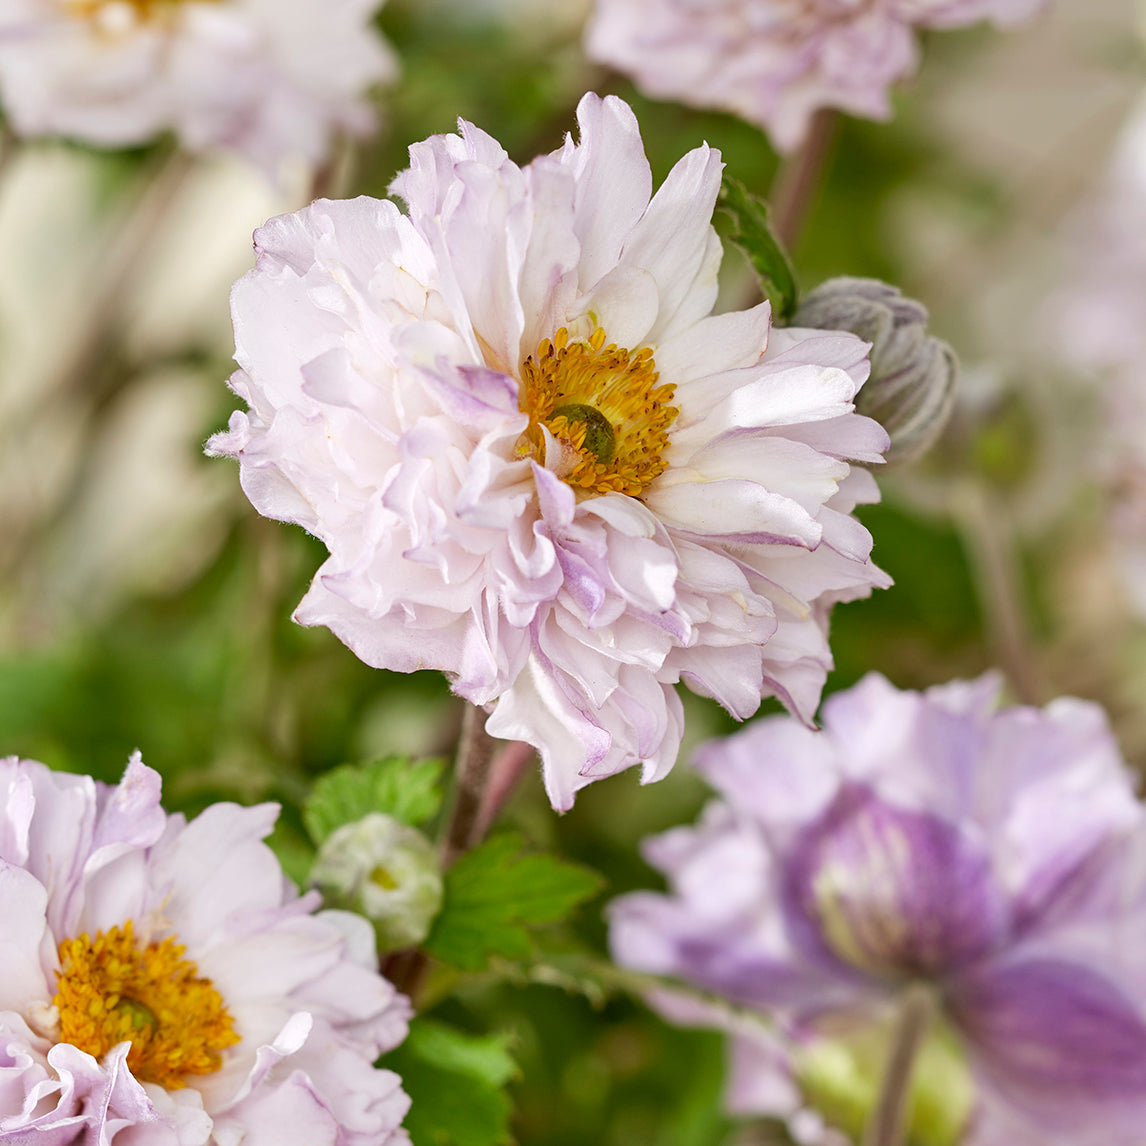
{"type": "Point", "coordinates": [998, 855]}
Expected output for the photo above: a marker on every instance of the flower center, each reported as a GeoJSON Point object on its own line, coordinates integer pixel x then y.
{"type": "Point", "coordinates": [118, 17]}
{"type": "Point", "coordinates": [603, 406]}
{"type": "Point", "coordinates": [110, 991]}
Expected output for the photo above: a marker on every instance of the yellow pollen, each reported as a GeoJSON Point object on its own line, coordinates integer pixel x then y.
{"type": "Point", "coordinates": [603, 404]}
{"type": "Point", "coordinates": [110, 991]}
{"type": "Point", "coordinates": [111, 11]}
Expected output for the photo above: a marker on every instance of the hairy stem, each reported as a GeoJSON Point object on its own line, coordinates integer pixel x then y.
{"type": "Point", "coordinates": [471, 774]}
{"type": "Point", "coordinates": [799, 178]}
{"type": "Point", "coordinates": [505, 774]}
{"type": "Point", "coordinates": [889, 1121]}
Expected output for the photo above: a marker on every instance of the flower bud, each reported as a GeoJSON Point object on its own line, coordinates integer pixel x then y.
{"type": "Point", "coordinates": [384, 870]}
{"type": "Point", "coordinates": [912, 383]}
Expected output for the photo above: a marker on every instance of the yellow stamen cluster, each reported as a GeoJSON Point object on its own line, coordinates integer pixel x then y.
{"type": "Point", "coordinates": [110, 991]}
{"type": "Point", "coordinates": [604, 405]}
{"type": "Point", "coordinates": [144, 11]}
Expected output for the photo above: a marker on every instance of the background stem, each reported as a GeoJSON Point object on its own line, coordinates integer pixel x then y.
{"type": "Point", "coordinates": [989, 545]}
{"type": "Point", "coordinates": [799, 178]}
{"type": "Point", "coordinates": [889, 1120]}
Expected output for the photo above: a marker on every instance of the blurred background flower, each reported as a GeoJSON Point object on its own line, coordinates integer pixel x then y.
{"type": "Point", "coordinates": [777, 62]}
{"type": "Point", "coordinates": [270, 81]}
{"type": "Point", "coordinates": [991, 859]}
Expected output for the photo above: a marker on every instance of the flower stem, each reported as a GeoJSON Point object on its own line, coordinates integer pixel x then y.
{"type": "Point", "coordinates": [89, 370]}
{"type": "Point", "coordinates": [505, 774]}
{"type": "Point", "coordinates": [9, 149]}
{"type": "Point", "coordinates": [471, 773]}
{"type": "Point", "coordinates": [334, 175]}
{"type": "Point", "coordinates": [482, 784]}
{"type": "Point", "coordinates": [988, 542]}
{"type": "Point", "coordinates": [799, 178]}
{"type": "Point", "coordinates": [889, 1121]}
{"type": "Point", "coordinates": [99, 335]}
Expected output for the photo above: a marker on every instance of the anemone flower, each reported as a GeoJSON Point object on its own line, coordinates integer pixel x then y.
{"type": "Point", "coordinates": [997, 858]}
{"type": "Point", "coordinates": [270, 79]}
{"type": "Point", "coordinates": [162, 982]}
{"type": "Point", "coordinates": [539, 462]}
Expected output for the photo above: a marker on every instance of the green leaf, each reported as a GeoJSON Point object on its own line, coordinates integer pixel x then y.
{"type": "Point", "coordinates": [493, 895]}
{"type": "Point", "coordinates": [455, 1083]}
{"type": "Point", "coordinates": [483, 1057]}
{"type": "Point", "coordinates": [742, 218]}
{"type": "Point", "coordinates": [410, 792]}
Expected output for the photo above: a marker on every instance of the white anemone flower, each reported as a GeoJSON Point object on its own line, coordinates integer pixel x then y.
{"type": "Point", "coordinates": [271, 79]}
{"type": "Point", "coordinates": [163, 984]}
{"type": "Point", "coordinates": [540, 464]}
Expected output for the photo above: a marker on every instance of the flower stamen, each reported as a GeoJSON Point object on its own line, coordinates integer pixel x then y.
{"type": "Point", "coordinates": [117, 17]}
{"type": "Point", "coordinates": [110, 991]}
{"type": "Point", "coordinates": [603, 404]}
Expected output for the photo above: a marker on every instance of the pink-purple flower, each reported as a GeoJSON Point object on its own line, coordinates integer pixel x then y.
{"type": "Point", "coordinates": [164, 984]}
{"type": "Point", "coordinates": [776, 62]}
{"type": "Point", "coordinates": [997, 855]}
{"type": "Point", "coordinates": [540, 463]}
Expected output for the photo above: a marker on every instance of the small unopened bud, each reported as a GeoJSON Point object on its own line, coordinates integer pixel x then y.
{"type": "Point", "coordinates": [384, 870]}
{"type": "Point", "coordinates": [912, 383]}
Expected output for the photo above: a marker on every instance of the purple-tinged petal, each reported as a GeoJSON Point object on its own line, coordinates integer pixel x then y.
{"type": "Point", "coordinates": [1057, 1039]}
{"type": "Point", "coordinates": [651, 933]}
{"type": "Point", "coordinates": [776, 63]}
{"type": "Point", "coordinates": [776, 770]}
{"type": "Point", "coordinates": [130, 813]}
{"type": "Point", "coordinates": [890, 891]}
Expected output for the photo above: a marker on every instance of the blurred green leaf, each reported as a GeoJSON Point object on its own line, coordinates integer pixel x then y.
{"type": "Point", "coordinates": [408, 791]}
{"type": "Point", "coordinates": [455, 1082]}
{"type": "Point", "coordinates": [742, 218]}
{"type": "Point", "coordinates": [492, 895]}
{"type": "Point", "coordinates": [483, 1057]}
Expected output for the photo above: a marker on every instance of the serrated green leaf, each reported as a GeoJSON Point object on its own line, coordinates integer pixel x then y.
{"type": "Point", "coordinates": [742, 218]}
{"type": "Point", "coordinates": [493, 895]}
{"type": "Point", "coordinates": [408, 791]}
{"type": "Point", "coordinates": [455, 1083]}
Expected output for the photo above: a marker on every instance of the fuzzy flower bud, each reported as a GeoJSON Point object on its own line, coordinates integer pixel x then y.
{"type": "Point", "coordinates": [912, 381]}
{"type": "Point", "coordinates": [385, 870]}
